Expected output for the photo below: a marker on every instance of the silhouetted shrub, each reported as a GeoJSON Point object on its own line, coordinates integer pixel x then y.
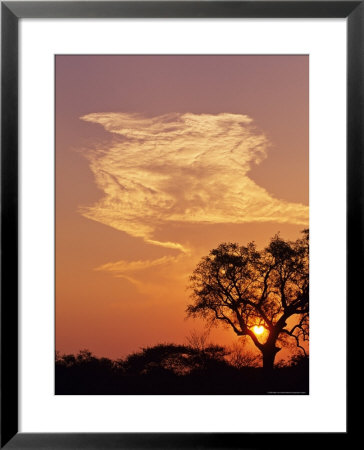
{"type": "Point", "coordinates": [174, 369]}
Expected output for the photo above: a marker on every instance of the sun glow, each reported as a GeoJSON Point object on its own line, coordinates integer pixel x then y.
{"type": "Point", "coordinates": [258, 330]}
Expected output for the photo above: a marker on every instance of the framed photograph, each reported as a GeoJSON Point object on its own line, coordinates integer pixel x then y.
{"type": "Point", "coordinates": [178, 178]}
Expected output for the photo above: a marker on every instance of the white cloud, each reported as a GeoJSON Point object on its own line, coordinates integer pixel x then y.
{"type": "Point", "coordinates": [135, 266]}
{"type": "Point", "coordinates": [181, 168]}
{"type": "Point", "coordinates": [130, 270]}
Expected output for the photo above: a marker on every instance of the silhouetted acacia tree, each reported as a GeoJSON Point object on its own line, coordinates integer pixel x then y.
{"type": "Point", "coordinates": [243, 287]}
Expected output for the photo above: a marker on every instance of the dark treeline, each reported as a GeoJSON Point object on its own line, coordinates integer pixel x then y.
{"type": "Point", "coordinates": [178, 369]}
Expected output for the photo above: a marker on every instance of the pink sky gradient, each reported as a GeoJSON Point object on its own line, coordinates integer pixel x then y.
{"type": "Point", "coordinates": [158, 160]}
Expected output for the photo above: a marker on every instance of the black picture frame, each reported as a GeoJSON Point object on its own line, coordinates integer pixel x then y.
{"type": "Point", "coordinates": [11, 12]}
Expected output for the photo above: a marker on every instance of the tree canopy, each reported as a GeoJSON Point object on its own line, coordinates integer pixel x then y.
{"type": "Point", "coordinates": [244, 288]}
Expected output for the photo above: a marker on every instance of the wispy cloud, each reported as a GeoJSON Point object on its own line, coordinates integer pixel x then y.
{"type": "Point", "coordinates": [181, 168]}
{"type": "Point", "coordinates": [130, 270]}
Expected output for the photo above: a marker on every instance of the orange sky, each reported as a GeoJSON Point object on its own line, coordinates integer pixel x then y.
{"type": "Point", "coordinates": [158, 160]}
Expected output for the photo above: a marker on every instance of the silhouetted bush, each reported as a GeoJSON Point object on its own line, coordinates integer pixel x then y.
{"type": "Point", "coordinates": [175, 369]}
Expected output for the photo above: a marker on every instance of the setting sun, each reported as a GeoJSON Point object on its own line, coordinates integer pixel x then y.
{"type": "Point", "coordinates": [258, 330]}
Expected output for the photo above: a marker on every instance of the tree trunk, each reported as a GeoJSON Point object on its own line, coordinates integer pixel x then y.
{"type": "Point", "coordinates": [269, 354]}
{"type": "Point", "coordinates": [268, 360]}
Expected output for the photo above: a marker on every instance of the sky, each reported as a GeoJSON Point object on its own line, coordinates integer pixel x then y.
{"type": "Point", "coordinates": [159, 159]}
